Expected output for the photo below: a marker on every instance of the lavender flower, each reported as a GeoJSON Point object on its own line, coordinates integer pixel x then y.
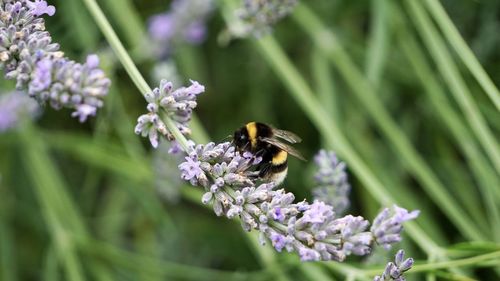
{"type": "Point", "coordinates": [259, 15]}
{"type": "Point", "coordinates": [184, 22]}
{"type": "Point", "coordinates": [394, 271]}
{"type": "Point", "coordinates": [28, 55]}
{"type": "Point", "coordinates": [176, 104]}
{"type": "Point", "coordinates": [311, 230]}
{"type": "Point", "coordinates": [14, 107]}
{"type": "Point", "coordinates": [331, 179]}
{"type": "Point", "coordinates": [388, 225]}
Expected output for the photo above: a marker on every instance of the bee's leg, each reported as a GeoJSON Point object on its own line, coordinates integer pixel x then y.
{"type": "Point", "coordinates": [260, 152]}
{"type": "Point", "coordinates": [264, 169]}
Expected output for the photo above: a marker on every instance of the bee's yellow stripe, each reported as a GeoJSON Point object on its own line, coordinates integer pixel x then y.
{"type": "Point", "coordinates": [279, 158]}
{"type": "Point", "coordinates": [252, 133]}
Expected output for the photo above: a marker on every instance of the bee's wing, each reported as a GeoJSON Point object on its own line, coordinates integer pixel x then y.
{"type": "Point", "coordinates": [284, 147]}
{"type": "Point", "coordinates": [286, 135]}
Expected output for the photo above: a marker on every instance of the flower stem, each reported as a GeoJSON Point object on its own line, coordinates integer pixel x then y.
{"type": "Point", "coordinates": [482, 171]}
{"type": "Point", "coordinates": [456, 84]}
{"type": "Point", "coordinates": [494, 256]}
{"type": "Point", "coordinates": [329, 44]}
{"type": "Point", "coordinates": [463, 51]}
{"type": "Point", "coordinates": [48, 189]}
{"type": "Point", "coordinates": [128, 64]}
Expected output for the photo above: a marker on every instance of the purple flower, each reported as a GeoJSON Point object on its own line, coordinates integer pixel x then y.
{"type": "Point", "coordinates": [92, 61]}
{"type": "Point", "coordinates": [14, 107]}
{"type": "Point", "coordinates": [331, 179]}
{"type": "Point", "coordinates": [318, 212]}
{"type": "Point", "coordinates": [42, 76]}
{"type": "Point", "coordinates": [40, 7]}
{"type": "Point", "coordinates": [184, 22]}
{"type": "Point", "coordinates": [353, 232]}
{"type": "Point", "coordinates": [307, 254]}
{"type": "Point", "coordinates": [83, 111]}
{"type": "Point", "coordinates": [388, 225]}
{"type": "Point", "coordinates": [190, 169]}
{"type": "Point", "coordinates": [65, 83]}
{"type": "Point", "coordinates": [394, 271]}
{"type": "Point", "coordinates": [28, 55]}
{"type": "Point", "coordinates": [176, 104]}
{"type": "Point", "coordinates": [311, 230]}
{"type": "Point", "coordinates": [196, 32]}
{"type": "Point", "coordinates": [278, 241]}
{"type": "Point", "coordinates": [161, 26]}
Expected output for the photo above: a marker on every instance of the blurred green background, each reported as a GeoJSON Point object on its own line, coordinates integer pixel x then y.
{"type": "Point", "coordinates": [383, 83]}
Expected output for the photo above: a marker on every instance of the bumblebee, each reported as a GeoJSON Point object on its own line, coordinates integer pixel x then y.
{"type": "Point", "coordinates": [266, 142]}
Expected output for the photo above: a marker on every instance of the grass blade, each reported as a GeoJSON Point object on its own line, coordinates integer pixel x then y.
{"type": "Point", "coordinates": [457, 86]}
{"type": "Point", "coordinates": [463, 51]}
{"type": "Point", "coordinates": [360, 86]}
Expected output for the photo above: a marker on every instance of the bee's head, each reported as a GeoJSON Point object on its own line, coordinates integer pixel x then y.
{"type": "Point", "coordinates": [240, 139]}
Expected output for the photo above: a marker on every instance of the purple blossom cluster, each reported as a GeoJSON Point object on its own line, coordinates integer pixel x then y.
{"type": "Point", "coordinates": [394, 270]}
{"type": "Point", "coordinates": [176, 104]}
{"type": "Point", "coordinates": [14, 107]}
{"type": "Point", "coordinates": [312, 230]}
{"type": "Point", "coordinates": [387, 226]}
{"type": "Point", "coordinates": [185, 21]}
{"type": "Point", "coordinates": [332, 186]}
{"type": "Point", "coordinates": [28, 55]}
{"type": "Point", "coordinates": [259, 15]}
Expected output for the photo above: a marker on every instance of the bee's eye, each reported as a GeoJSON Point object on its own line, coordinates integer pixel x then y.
{"type": "Point", "coordinates": [242, 137]}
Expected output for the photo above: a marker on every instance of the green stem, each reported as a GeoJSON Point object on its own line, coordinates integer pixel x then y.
{"type": "Point", "coordinates": [482, 171]}
{"type": "Point", "coordinates": [129, 65]}
{"type": "Point", "coordinates": [127, 17]}
{"type": "Point", "coordinates": [347, 270]}
{"type": "Point", "coordinates": [50, 270]}
{"type": "Point", "coordinates": [434, 265]}
{"type": "Point", "coordinates": [324, 80]}
{"type": "Point", "coordinates": [463, 51]}
{"type": "Point", "coordinates": [45, 185]}
{"type": "Point", "coordinates": [117, 46]}
{"type": "Point", "coordinates": [7, 254]}
{"type": "Point", "coordinates": [57, 205]}
{"type": "Point", "coordinates": [314, 271]}
{"type": "Point", "coordinates": [154, 266]}
{"type": "Point", "coordinates": [455, 82]}
{"type": "Point", "coordinates": [361, 87]}
{"type": "Point", "coordinates": [378, 42]}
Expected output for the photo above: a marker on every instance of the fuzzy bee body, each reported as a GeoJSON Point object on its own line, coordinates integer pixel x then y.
{"type": "Point", "coordinates": [264, 141]}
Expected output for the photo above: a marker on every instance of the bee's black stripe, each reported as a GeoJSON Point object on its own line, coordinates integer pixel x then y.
{"type": "Point", "coordinates": [278, 168]}
{"type": "Point", "coordinates": [269, 169]}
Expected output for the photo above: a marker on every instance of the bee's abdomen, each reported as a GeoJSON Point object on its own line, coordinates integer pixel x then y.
{"type": "Point", "coordinates": [278, 166]}
{"type": "Point", "coordinates": [275, 174]}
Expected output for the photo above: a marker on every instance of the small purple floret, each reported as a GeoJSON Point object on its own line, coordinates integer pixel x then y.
{"type": "Point", "coordinates": [388, 225]}
{"type": "Point", "coordinates": [40, 7]}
